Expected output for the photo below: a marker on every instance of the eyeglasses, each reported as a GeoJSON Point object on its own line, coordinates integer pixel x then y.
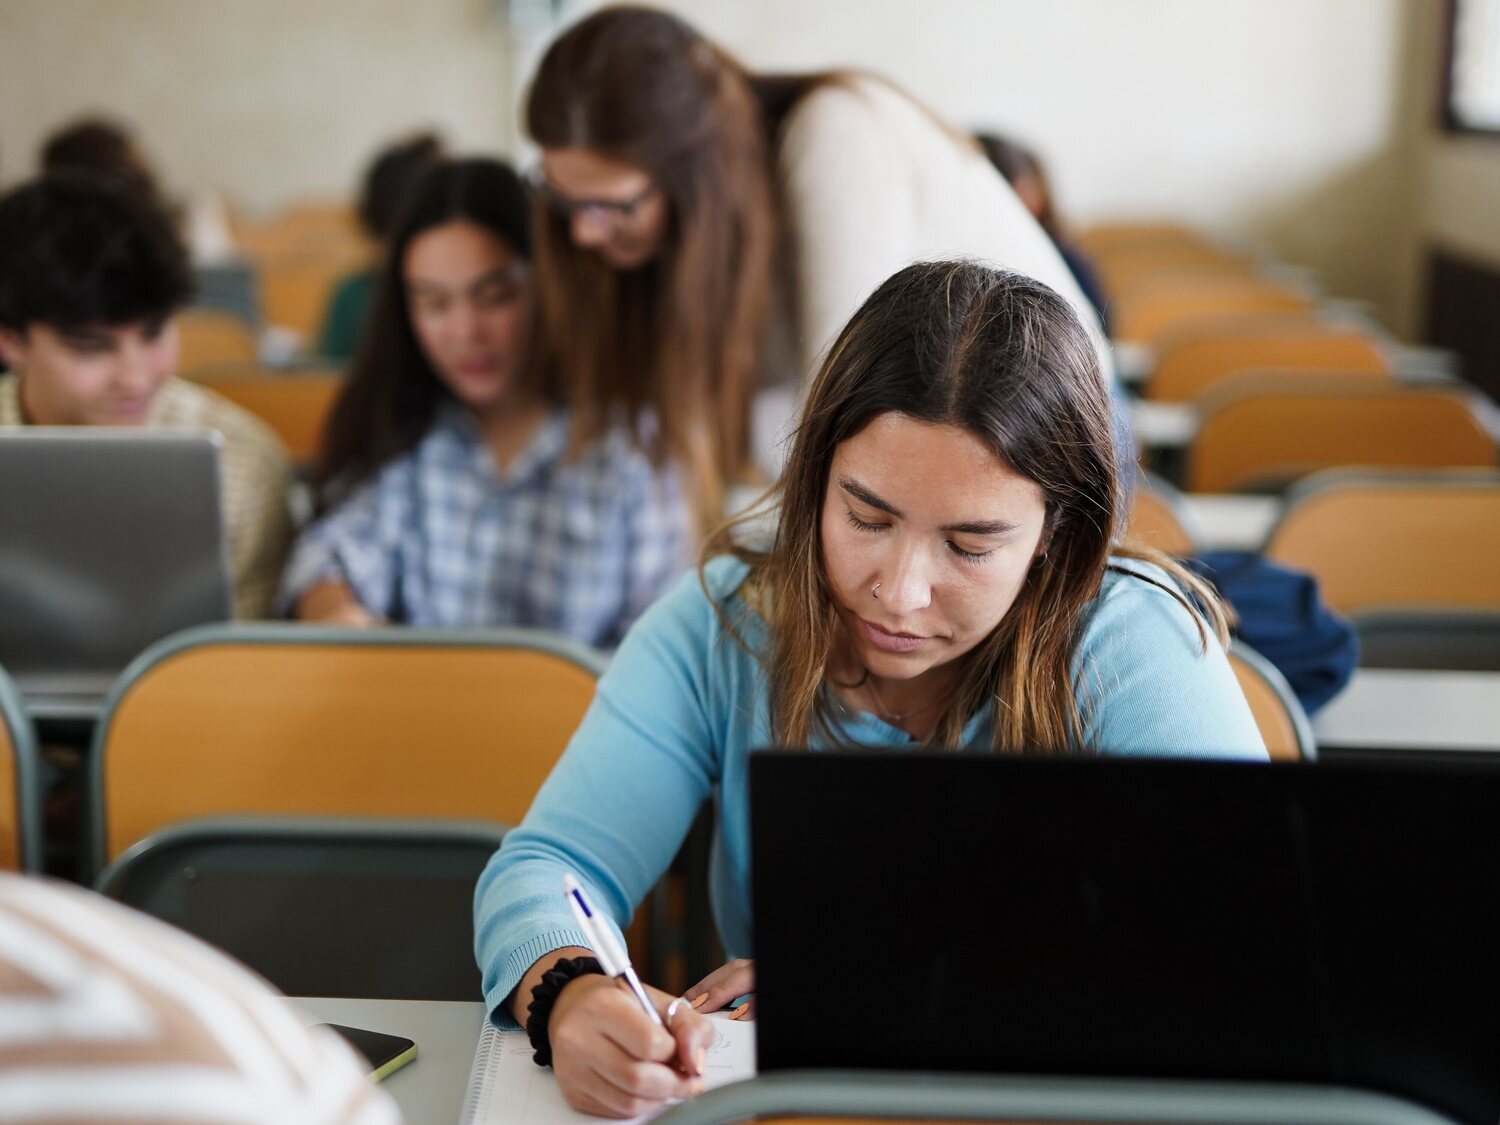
{"type": "Point", "coordinates": [617, 212]}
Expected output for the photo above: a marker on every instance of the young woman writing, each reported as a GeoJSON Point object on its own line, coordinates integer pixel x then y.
{"type": "Point", "coordinates": [944, 573]}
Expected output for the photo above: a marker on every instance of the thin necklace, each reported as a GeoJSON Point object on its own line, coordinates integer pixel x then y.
{"type": "Point", "coordinates": [885, 715]}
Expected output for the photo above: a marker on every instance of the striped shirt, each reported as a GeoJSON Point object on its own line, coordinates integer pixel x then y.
{"type": "Point", "coordinates": [107, 1015]}
{"type": "Point", "coordinates": [254, 476]}
{"type": "Point", "coordinates": [580, 545]}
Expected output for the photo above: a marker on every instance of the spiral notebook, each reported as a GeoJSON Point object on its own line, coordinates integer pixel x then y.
{"type": "Point", "coordinates": [506, 1086]}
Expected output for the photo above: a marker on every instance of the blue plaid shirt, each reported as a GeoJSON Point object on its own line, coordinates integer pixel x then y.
{"type": "Point", "coordinates": [441, 538]}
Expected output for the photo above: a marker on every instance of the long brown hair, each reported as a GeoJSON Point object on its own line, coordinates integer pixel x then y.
{"type": "Point", "coordinates": [1006, 358]}
{"type": "Point", "coordinates": [680, 336]}
{"type": "Point", "coordinates": [391, 394]}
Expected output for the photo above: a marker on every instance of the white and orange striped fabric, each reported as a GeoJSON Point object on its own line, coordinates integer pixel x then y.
{"type": "Point", "coordinates": [107, 1015]}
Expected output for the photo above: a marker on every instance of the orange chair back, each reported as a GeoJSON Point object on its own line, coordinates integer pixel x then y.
{"type": "Point", "coordinates": [299, 256]}
{"type": "Point", "coordinates": [1104, 238]}
{"type": "Point", "coordinates": [294, 405]}
{"type": "Point", "coordinates": [1149, 316]}
{"type": "Point", "coordinates": [295, 292]}
{"type": "Point", "coordinates": [10, 801]}
{"type": "Point", "coordinates": [1274, 437]}
{"type": "Point", "coordinates": [1154, 523]}
{"type": "Point", "coordinates": [1377, 542]}
{"type": "Point", "coordinates": [207, 336]}
{"type": "Point", "coordinates": [262, 720]}
{"type": "Point", "coordinates": [20, 811]}
{"type": "Point", "coordinates": [1283, 725]}
{"type": "Point", "coordinates": [1189, 367]}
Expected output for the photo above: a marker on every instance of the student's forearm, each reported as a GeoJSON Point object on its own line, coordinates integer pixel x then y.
{"type": "Point", "coordinates": [520, 999]}
{"type": "Point", "coordinates": [333, 602]}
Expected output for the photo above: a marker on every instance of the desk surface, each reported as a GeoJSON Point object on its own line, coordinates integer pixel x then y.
{"type": "Point", "coordinates": [1225, 521]}
{"type": "Point", "coordinates": [1391, 709]}
{"type": "Point", "coordinates": [430, 1089]}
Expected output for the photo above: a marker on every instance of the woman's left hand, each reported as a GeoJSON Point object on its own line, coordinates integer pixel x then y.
{"type": "Point", "coordinates": [724, 984]}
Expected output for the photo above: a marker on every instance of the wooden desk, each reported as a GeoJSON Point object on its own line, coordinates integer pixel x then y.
{"type": "Point", "coordinates": [1393, 709]}
{"type": "Point", "coordinates": [430, 1089]}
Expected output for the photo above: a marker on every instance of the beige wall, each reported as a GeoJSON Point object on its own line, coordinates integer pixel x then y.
{"type": "Point", "coordinates": [1272, 120]}
{"type": "Point", "coordinates": [268, 100]}
{"type": "Point", "coordinates": [1461, 207]}
{"type": "Point", "coordinates": [1278, 120]}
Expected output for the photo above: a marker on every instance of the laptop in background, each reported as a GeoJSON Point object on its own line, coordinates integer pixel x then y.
{"type": "Point", "coordinates": [1168, 919]}
{"type": "Point", "coordinates": [110, 539]}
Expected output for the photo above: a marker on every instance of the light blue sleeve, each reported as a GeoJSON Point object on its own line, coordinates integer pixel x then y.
{"type": "Point", "coordinates": [349, 545]}
{"type": "Point", "coordinates": [619, 802]}
{"type": "Point", "coordinates": [1147, 684]}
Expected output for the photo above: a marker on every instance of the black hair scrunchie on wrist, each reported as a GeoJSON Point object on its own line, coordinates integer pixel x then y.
{"type": "Point", "coordinates": [544, 997]}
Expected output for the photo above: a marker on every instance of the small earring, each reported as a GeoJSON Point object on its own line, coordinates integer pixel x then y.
{"type": "Point", "coordinates": [874, 591]}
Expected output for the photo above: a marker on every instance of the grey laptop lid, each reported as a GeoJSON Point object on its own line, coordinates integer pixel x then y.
{"type": "Point", "coordinates": [109, 540]}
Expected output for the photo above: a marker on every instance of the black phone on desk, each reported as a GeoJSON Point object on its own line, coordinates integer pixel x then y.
{"type": "Point", "coordinates": [384, 1053]}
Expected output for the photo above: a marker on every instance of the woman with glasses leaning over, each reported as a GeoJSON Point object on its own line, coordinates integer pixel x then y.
{"type": "Point", "coordinates": [450, 488]}
{"type": "Point", "coordinates": [943, 575]}
{"type": "Point", "coordinates": [710, 229]}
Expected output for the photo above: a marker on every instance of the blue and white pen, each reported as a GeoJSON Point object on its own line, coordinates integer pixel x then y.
{"type": "Point", "coordinates": [601, 938]}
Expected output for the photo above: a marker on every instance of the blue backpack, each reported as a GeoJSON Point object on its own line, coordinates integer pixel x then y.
{"type": "Point", "coordinates": [1282, 617]}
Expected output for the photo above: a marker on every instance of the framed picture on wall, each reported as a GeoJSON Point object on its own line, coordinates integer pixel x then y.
{"type": "Point", "coordinates": [1471, 96]}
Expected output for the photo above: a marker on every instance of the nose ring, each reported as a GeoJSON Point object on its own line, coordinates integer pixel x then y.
{"type": "Point", "coordinates": [875, 591]}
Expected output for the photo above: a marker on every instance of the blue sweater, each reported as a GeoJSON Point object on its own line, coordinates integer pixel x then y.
{"type": "Point", "coordinates": [682, 705]}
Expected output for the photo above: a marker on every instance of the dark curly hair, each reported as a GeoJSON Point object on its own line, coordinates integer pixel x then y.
{"type": "Point", "coordinates": [77, 250]}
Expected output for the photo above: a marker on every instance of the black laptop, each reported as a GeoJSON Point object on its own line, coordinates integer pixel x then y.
{"type": "Point", "coordinates": [1167, 919]}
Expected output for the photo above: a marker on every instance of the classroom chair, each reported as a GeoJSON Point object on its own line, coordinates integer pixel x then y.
{"type": "Point", "coordinates": [1453, 640]}
{"type": "Point", "coordinates": [321, 907]}
{"type": "Point", "coordinates": [1257, 431]}
{"type": "Point", "coordinates": [849, 1097]}
{"type": "Point", "coordinates": [209, 336]}
{"type": "Point", "coordinates": [1123, 276]}
{"type": "Point", "coordinates": [1159, 518]}
{"type": "Point", "coordinates": [303, 229]}
{"type": "Point", "coordinates": [1283, 724]}
{"type": "Point", "coordinates": [1189, 364]}
{"type": "Point", "coordinates": [1105, 238]}
{"type": "Point", "coordinates": [295, 291]}
{"type": "Point", "coordinates": [294, 404]}
{"type": "Point", "coordinates": [20, 790]}
{"type": "Point", "coordinates": [285, 719]}
{"type": "Point", "coordinates": [1392, 541]}
{"type": "Point", "coordinates": [1150, 314]}
{"type": "Point", "coordinates": [299, 256]}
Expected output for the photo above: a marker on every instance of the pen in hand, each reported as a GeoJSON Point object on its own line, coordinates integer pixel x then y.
{"type": "Point", "coordinates": [601, 938]}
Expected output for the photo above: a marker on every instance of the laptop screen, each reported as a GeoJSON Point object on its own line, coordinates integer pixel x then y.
{"type": "Point", "coordinates": [1160, 918]}
{"type": "Point", "coordinates": [109, 540]}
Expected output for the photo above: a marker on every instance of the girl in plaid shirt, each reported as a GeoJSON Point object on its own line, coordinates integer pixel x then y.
{"type": "Point", "coordinates": [451, 490]}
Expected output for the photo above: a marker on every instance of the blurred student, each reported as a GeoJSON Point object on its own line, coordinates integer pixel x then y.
{"type": "Point", "coordinates": [709, 229]}
{"type": "Point", "coordinates": [451, 490]}
{"type": "Point", "coordinates": [1023, 170]}
{"type": "Point", "coordinates": [90, 278]}
{"type": "Point", "coordinates": [107, 1015]}
{"type": "Point", "coordinates": [97, 146]}
{"type": "Point", "coordinates": [943, 577]}
{"type": "Point", "coordinates": [387, 185]}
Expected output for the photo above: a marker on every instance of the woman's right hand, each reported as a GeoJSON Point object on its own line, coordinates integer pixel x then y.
{"type": "Point", "coordinates": [334, 603]}
{"type": "Point", "coordinates": [611, 1060]}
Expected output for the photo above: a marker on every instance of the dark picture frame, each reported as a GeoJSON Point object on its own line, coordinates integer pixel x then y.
{"type": "Point", "coordinates": [1452, 117]}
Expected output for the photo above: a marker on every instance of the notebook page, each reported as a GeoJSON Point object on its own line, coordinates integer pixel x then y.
{"type": "Point", "coordinates": [507, 1087]}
